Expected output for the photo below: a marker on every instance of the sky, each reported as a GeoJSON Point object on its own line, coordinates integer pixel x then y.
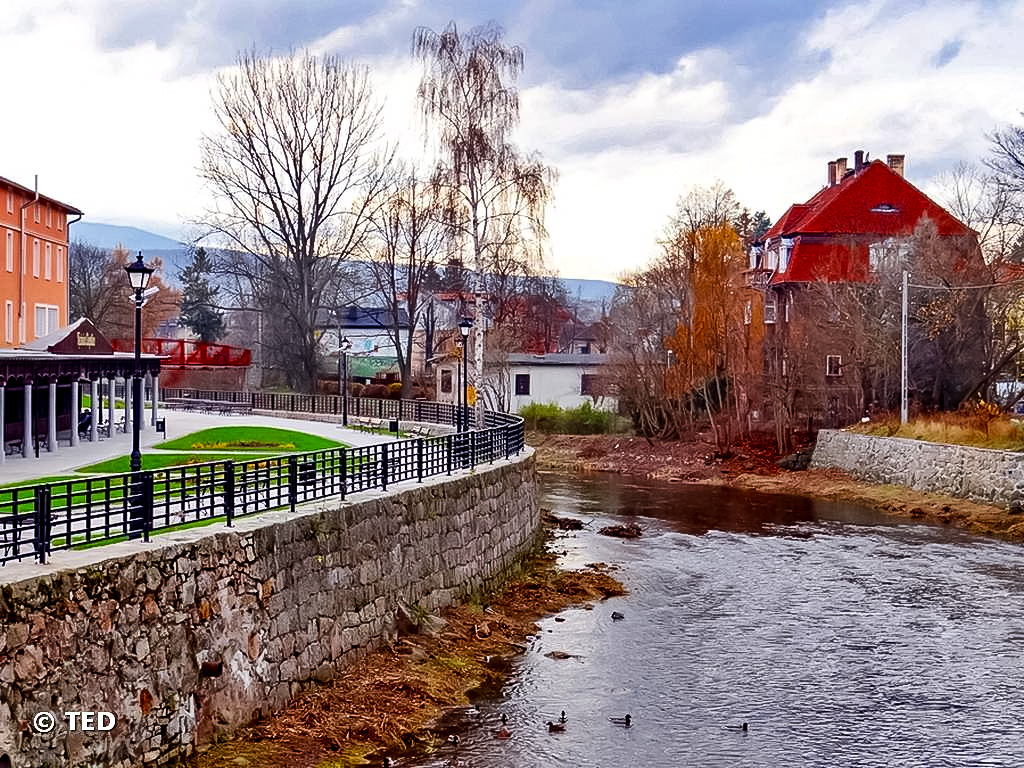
{"type": "Point", "coordinates": [634, 104]}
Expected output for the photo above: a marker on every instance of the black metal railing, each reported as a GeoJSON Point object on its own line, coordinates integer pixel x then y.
{"type": "Point", "coordinates": [37, 519]}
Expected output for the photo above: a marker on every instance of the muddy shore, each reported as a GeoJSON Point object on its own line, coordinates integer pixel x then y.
{"type": "Point", "coordinates": [753, 467]}
{"type": "Point", "coordinates": [402, 698]}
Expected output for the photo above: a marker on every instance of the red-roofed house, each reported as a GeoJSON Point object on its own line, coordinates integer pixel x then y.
{"type": "Point", "coordinates": [864, 213]}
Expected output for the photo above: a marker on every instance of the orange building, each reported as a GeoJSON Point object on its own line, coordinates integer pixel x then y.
{"type": "Point", "coordinates": [33, 263]}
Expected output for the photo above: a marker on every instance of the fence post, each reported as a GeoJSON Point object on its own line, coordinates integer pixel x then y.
{"type": "Point", "coordinates": [42, 522]}
{"type": "Point", "coordinates": [229, 491]}
{"type": "Point", "coordinates": [293, 481]}
{"type": "Point", "coordinates": [419, 460]}
{"type": "Point", "coordinates": [506, 432]}
{"type": "Point", "coordinates": [344, 472]}
{"type": "Point", "coordinates": [147, 505]}
{"type": "Point", "coordinates": [384, 466]}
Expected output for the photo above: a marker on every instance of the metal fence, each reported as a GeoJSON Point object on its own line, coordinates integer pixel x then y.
{"type": "Point", "coordinates": [75, 514]}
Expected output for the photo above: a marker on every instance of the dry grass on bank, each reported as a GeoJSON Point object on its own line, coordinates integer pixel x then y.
{"type": "Point", "coordinates": [387, 700]}
{"type": "Point", "coordinates": [977, 428]}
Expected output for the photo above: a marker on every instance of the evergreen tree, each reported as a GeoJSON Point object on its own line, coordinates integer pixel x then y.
{"type": "Point", "coordinates": [199, 299]}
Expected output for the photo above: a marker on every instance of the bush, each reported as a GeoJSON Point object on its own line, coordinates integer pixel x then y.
{"type": "Point", "coordinates": [355, 389]}
{"type": "Point", "coordinates": [541, 417]}
{"type": "Point", "coordinates": [378, 391]}
{"type": "Point", "coordinates": [395, 390]}
{"type": "Point", "coordinates": [582, 420]}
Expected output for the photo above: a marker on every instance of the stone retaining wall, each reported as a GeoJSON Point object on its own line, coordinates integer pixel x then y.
{"type": "Point", "coordinates": [196, 633]}
{"type": "Point", "coordinates": [976, 474]}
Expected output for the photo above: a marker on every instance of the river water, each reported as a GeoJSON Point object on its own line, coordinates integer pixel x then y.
{"type": "Point", "coordinates": [841, 636]}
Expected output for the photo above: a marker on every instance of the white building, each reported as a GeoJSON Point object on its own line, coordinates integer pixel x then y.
{"type": "Point", "coordinates": [567, 380]}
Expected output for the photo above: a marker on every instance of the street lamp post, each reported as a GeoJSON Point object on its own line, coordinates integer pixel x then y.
{"type": "Point", "coordinates": [343, 347]}
{"type": "Point", "coordinates": [464, 327]}
{"type": "Point", "coordinates": [138, 277]}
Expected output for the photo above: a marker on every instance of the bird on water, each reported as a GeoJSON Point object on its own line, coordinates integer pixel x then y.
{"type": "Point", "coordinates": [555, 727]}
{"type": "Point", "coordinates": [626, 721]}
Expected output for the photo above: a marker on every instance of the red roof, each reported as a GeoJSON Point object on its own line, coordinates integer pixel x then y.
{"type": "Point", "coordinates": [831, 232]}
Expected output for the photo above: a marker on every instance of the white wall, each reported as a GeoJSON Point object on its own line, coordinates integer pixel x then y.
{"type": "Point", "coordinates": [559, 384]}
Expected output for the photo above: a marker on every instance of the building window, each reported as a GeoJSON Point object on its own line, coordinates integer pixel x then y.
{"type": "Point", "coordinates": [47, 319]}
{"type": "Point", "coordinates": [522, 383]}
{"type": "Point", "coordinates": [446, 381]}
{"type": "Point", "coordinates": [60, 264]}
{"type": "Point", "coordinates": [787, 306]}
{"type": "Point", "coordinates": [48, 263]}
{"type": "Point", "coordinates": [35, 213]}
{"type": "Point", "coordinates": [35, 258]}
{"type": "Point", "coordinates": [10, 252]}
{"type": "Point", "coordinates": [9, 322]}
{"type": "Point", "coordinates": [834, 365]}
{"type": "Point", "coordinates": [49, 216]}
{"type": "Point", "coordinates": [60, 222]}
{"type": "Point", "coordinates": [10, 201]}
{"type": "Point", "coordinates": [748, 312]}
{"type": "Point", "coordinates": [771, 308]}
{"type": "Point", "coordinates": [588, 384]}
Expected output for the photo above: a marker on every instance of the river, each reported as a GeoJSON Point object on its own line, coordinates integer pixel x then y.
{"type": "Point", "coordinates": [843, 637]}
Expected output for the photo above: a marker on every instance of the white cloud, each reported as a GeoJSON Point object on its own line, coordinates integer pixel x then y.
{"type": "Point", "coordinates": [116, 134]}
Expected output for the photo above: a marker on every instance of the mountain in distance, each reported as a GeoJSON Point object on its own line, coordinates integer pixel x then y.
{"type": "Point", "coordinates": [589, 294]}
{"type": "Point", "coordinates": [132, 239]}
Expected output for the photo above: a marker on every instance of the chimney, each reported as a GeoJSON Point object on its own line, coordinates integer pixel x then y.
{"type": "Point", "coordinates": [840, 169]}
{"type": "Point", "coordinates": [858, 159]}
{"type": "Point", "coordinates": [832, 173]}
{"type": "Point", "coordinates": [895, 163]}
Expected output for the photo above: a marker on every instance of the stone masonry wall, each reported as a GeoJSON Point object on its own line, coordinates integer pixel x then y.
{"type": "Point", "coordinates": [198, 632]}
{"type": "Point", "coordinates": [976, 474]}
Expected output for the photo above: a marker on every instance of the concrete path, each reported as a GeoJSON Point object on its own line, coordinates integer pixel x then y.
{"type": "Point", "coordinates": [67, 459]}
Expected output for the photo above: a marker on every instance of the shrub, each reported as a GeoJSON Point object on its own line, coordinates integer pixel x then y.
{"type": "Point", "coordinates": [374, 390]}
{"type": "Point", "coordinates": [395, 390]}
{"type": "Point", "coordinates": [582, 420]}
{"type": "Point", "coordinates": [541, 417]}
{"type": "Point", "coordinates": [355, 389]}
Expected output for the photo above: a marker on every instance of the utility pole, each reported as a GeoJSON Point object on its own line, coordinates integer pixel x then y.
{"type": "Point", "coordinates": [903, 351]}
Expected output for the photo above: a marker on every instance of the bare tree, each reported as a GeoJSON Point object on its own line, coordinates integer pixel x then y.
{"type": "Point", "coordinates": [296, 168]}
{"type": "Point", "coordinates": [986, 204]}
{"type": "Point", "coordinates": [95, 283]}
{"type": "Point", "coordinates": [411, 241]}
{"type": "Point", "coordinates": [497, 195]}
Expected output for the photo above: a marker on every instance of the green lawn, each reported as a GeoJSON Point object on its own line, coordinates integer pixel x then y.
{"type": "Point", "coordinates": [168, 459]}
{"type": "Point", "coordinates": [250, 439]}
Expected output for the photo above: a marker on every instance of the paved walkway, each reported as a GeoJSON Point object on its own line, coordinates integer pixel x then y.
{"type": "Point", "coordinates": [66, 459]}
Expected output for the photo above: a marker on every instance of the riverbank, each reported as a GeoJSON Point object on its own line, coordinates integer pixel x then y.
{"type": "Point", "coordinates": [753, 467]}
{"type": "Point", "coordinates": [406, 696]}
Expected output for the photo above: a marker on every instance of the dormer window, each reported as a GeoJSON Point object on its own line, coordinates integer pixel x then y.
{"type": "Point", "coordinates": [885, 208]}
{"type": "Point", "coordinates": [785, 249]}
{"type": "Point", "coordinates": [755, 256]}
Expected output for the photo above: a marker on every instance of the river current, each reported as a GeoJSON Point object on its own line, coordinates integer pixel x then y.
{"type": "Point", "coordinates": [842, 637]}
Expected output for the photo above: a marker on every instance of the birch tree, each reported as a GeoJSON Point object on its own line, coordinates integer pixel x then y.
{"type": "Point", "coordinates": [497, 195]}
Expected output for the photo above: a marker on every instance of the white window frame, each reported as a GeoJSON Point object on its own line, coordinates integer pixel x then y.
{"type": "Point", "coordinates": [748, 312]}
{"type": "Point", "coordinates": [48, 262]}
{"type": "Point", "coordinates": [837, 370]}
{"type": "Point", "coordinates": [22, 322]}
{"type": "Point", "coordinates": [35, 257]}
{"type": "Point", "coordinates": [771, 308]}
{"type": "Point", "coordinates": [9, 251]}
{"type": "Point", "coordinates": [785, 250]}
{"type": "Point", "coordinates": [51, 319]}
{"type": "Point", "coordinates": [9, 322]}
{"type": "Point", "coordinates": [60, 263]}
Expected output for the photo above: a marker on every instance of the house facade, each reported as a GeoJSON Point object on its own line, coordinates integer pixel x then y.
{"type": "Point", "coordinates": [33, 263]}
{"type": "Point", "coordinates": [817, 280]}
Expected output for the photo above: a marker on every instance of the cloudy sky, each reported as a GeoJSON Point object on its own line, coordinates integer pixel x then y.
{"type": "Point", "coordinates": [633, 103]}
